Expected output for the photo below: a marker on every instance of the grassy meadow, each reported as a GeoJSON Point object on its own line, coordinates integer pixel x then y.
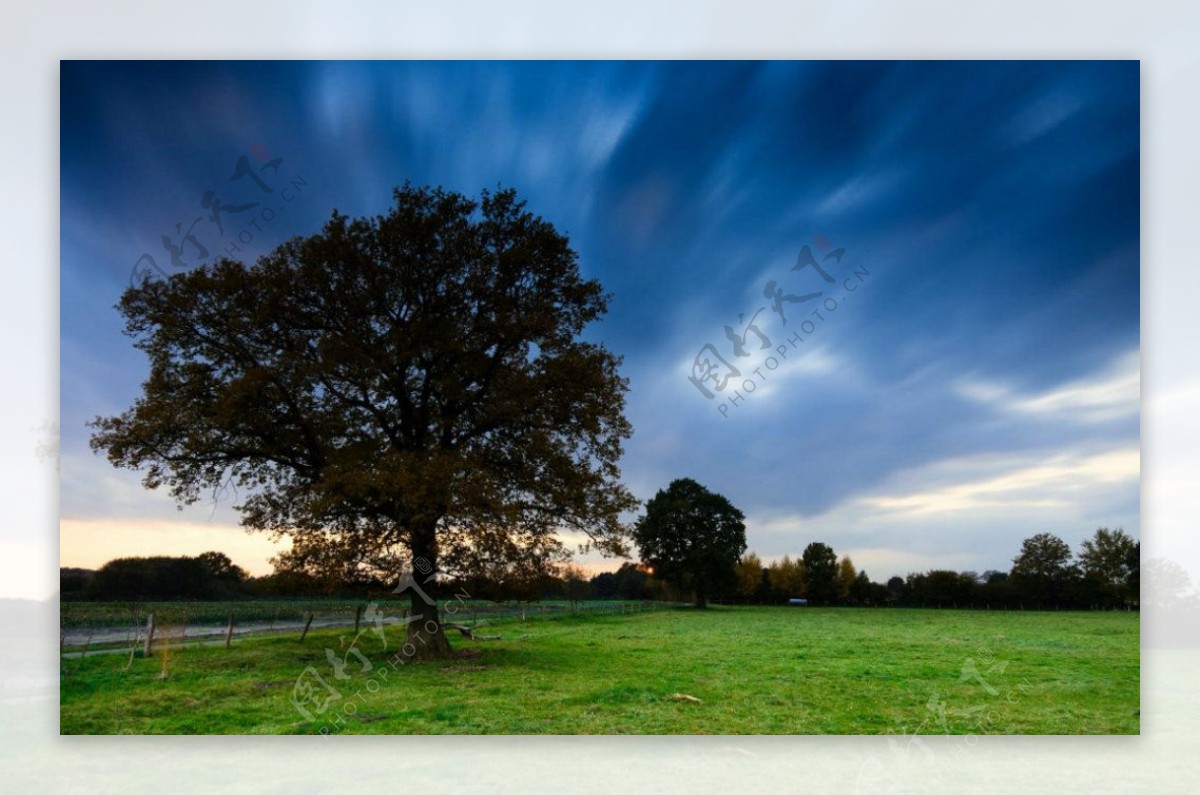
{"type": "Point", "coordinates": [727, 670]}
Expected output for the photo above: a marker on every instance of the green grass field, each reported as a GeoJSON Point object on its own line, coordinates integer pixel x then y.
{"type": "Point", "coordinates": [753, 670]}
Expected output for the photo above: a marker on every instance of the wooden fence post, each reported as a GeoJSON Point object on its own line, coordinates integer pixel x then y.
{"type": "Point", "coordinates": [307, 624]}
{"type": "Point", "coordinates": [229, 630]}
{"type": "Point", "coordinates": [147, 649]}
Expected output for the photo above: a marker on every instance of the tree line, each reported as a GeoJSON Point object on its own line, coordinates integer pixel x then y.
{"type": "Point", "coordinates": [1104, 574]}
{"type": "Point", "coordinates": [1045, 575]}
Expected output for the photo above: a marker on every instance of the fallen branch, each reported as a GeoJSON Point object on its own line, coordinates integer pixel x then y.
{"type": "Point", "coordinates": [469, 632]}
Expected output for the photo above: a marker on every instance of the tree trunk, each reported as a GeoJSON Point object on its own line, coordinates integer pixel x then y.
{"type": "Point", "coordinates": [426, 637]}
{"type": "Point", "coordinates": [701, 601]}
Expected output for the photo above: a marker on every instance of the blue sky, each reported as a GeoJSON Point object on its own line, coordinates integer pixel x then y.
{"type": "Point", "coordinates": [975, 382]}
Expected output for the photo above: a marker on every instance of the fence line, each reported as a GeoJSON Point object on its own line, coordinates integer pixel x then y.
{"type": "Point", "coordinates": [91, 628]}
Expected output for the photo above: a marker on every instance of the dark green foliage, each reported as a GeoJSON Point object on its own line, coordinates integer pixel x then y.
{"type": "Point", "coordinates": [1043, 571]}
{"type": "Point", "coordinates": [692, 538]}
{"type": "Point", "coordinates": [821, 565]}
{"type": "Point", "coordinates": [1109, 563]}
{"type": "Point", "coordinates": [209, 576]}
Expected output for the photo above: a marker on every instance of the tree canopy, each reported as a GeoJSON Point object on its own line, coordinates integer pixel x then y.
{"type": "Point", "coordinates": [846, 576]}
{"type": "Point", "coordinates": [1044, 567]}
{"type": "Point", "coordinates": [787, 579]}
{"type": "Point", "coordinates": [406, 389]}
{"type": "Point", "coordinates": [821, 565]}
{"type": "Point", "coordinates": [693, 538]}
{"type": "Point", "coordinates": [1109, 559]}
{"type": "Point", "coordinates": [750, 574]}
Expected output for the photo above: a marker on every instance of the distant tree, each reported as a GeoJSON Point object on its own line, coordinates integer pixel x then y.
{"type": "Point", "coordinates": [221, 567]}
{"type": "Point", "coordinates": [879, 594]}
{"type": "Point", "coordinates": [862, 592]}
{"type": "Point", "coordinates": [968, 592]}
{"type": "Point", "coordinates": [158, 577]}
{"type": "Point", "coordinates": [786, 579]}
{"type": "Point", "coordinates": [575, 584]}
{"type": "Point", "coordinates": [498, 572]}
{"type": "Point", "coordinates": [895, 589]}
{"type": "Point", "coordinates": [939, 588]}
{"type": "Point", "coordinates": [287, 583]}
{"type": "Point", "coordinates": [1134, 564]}
{"type": "Point", "coordinates": [996, 590]}
{"type": "Point", "coordinates": [226, 577]}
{"type": "Point", "coordinates": [749, 576]}
{"type": "Point", "coordinates": [1043, 569]}
{"type": "Point", "coordinates": [634, 582]}
{"type": "Point", "coordinates": [409, 387]}
{"type": "Point", "coordinates": [74, 584]}
{"type": "Point", "coordinates": [604, 585]}
{"type": "Point", "coordinates": [845, 578]}
{"type": "Point", "coordinates": [821, 565]}
{"type": "Point", "coordinates": [693, 538]}
{"type": "Point", "coordinates": [1105, 561]}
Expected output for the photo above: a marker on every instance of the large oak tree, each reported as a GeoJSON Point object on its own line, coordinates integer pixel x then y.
{"type": "Point", "coordinates": [409, 389]}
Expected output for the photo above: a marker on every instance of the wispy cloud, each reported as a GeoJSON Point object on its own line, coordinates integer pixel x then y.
{"type": "Point", "coordinates": [1108, 395]}
{"type": "Point", "coordinates": [1058, 482]}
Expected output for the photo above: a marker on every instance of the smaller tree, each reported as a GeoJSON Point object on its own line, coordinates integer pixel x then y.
{"type": "Point", "coordinates": [749, 576]}
{"type": "Point", "coordinates": [692, 538]}
{"type": "Point", "coordinates": [575, 584]}
{"type": "Point", "coordinates": [158, 577]}
{"type": "Point", "coordinates": [786, 579]}
{"type": "Point", "coordinates": [941, 588]}
{"type": "Point", "coordinates": [821, 564]}
{"type": "Point", "coordinates": [605, 585]}
{"type": "Point", "coordinates": [1105, 561]}
{"type": "Point", "coordinates": [863, 590]}
{"type": "Point", "coordinates": [845, 578]}
{"type": "Point", "coordinates": [227, 578]}
{"type": "Point", "coordinates": [997, 590]}
{"type": "Point", "coordinates": [634, 582]}
{"type": "Point", "coordinates": [1043, 569]}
